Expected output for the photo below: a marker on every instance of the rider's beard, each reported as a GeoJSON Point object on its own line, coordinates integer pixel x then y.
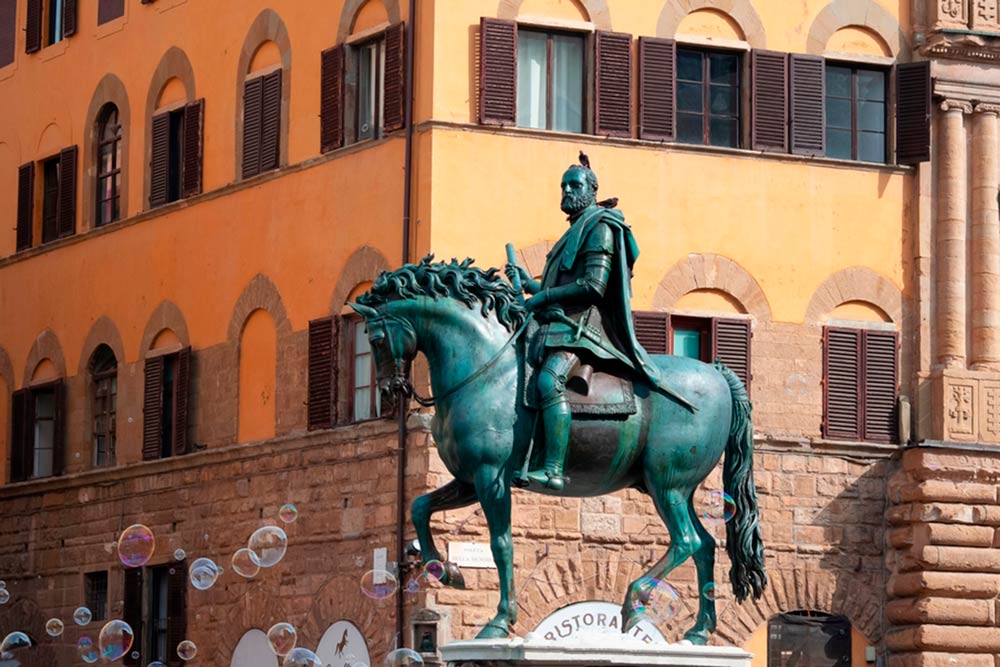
{"type": "Point", "coordinates": [573, 204]}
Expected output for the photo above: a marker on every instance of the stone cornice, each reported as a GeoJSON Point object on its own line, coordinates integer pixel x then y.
{"type": "Point", "coordinates": [988, 108]}
{"type": "Point", "coordinates": [956, 105]}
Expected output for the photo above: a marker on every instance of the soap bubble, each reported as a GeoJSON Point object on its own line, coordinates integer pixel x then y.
{"type": "Point", "coordinates": [412, 586]}
{"type": "Point", "coordinates": [378, 584]}
{"type": "Point", "coordinates": [3, 584]}
{"type": "Point", "coordinates": [135, 655]}
{"type": "Point", "coordinates": [709, 591]}
{"type": "Point", "coordinates": [156, 663]}
{"type": "Point", "coordinates": [85, 646]}
{"type": "Point", "coordinates": [203, 573]}
{"type": "Point", "coordinates": [179, 554]}
{"type": "Point", "coordinates": [136, 545]}
{"type": "Point", "coordinates": [54, 627]}
{"type": "Point", "coordinates": [718, 508]}
{"type": "Point", "coordinates": [187, 650]}
{"type": "Point", "coordinates": [82, 616]}
{"type": "Point", "coordinates": [15, 641]}
{"type": "Point", "coordinates": [115, 640]}
{"type": "Point", "coordinates": [657, 599]}
{"type": "Point", "coordinates": [245, 563]}
{"type": "Point", "coordinates": [282, 638]}
{"type": "Point", "coordinates": [268, 544]}
{"type": "Point", "coordinates": [302, 657]}
{"type": "Point", "coordinates": [4, 596]}
{"type": "Point", "coordinates": [403, 657]}
{"type": "Point", "coordinates": [434, 570]}
{"type": "Point", "coordinates": [288, 513]}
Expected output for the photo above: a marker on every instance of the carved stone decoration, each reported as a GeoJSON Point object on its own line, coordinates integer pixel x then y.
{"type": "Point", "coordinates": [960, 411]}
{"type": "Point", "coordinates": [984, 16]}
{"type": "Point", "coordinates": [990, 412]}
{"type": "Point", "coordinates": [950, 14]}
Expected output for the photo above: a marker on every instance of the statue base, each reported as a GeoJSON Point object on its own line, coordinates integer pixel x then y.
{"type": "Point", "coordinates": [600, 649]}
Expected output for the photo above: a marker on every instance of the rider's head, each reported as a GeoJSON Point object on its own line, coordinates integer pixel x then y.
{"type": "Point", "coordinates": [579, 189]}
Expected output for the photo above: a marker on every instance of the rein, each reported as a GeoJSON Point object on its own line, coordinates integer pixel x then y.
{"type": "Point", "coordinates": [431, 400]}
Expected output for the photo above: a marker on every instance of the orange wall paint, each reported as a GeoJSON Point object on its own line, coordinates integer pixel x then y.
{"type": "Point", "coordinates": [258, 360]}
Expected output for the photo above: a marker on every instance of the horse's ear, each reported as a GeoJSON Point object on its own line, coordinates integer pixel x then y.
{"type": "Point", "coordinates": [366, 312]}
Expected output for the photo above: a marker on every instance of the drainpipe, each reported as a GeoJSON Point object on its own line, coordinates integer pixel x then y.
{"type": "Point", "coordinates": [404, 404]}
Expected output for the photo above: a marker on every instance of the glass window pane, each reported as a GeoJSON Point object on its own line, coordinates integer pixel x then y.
{"type": "Point", "coordinates": [690, 97]}
{"type": "Point", "coordinates": [532, 61]}
{"type": "Point", "coordinates": [871, 116]}
{"type": "Point", "coordinates": [838, 81]}
{"type": "Point", "coordinates": [690, 128]}
{"type": "Point", "coordinates": [723, 100]}
{"type": "Point", "coordinates": [723, 68]}
{"type": "Point", "coordinates": [838, 113]}
{"type": "Point", "coordinates": [361, 343]}
{"type": "Point", "coordinates": [567, 83]}
{"type": "Point", "coordinates": [871, 85]}
{"type": "Point", "coordinates": [687, 343]}
{"type": "Point", "coordinates": [871, 146]}
{"type": "Point", "coordinates": [362, 371]}
{"type": "Point", "coordinates": [362, 404]}
{"type": "Point", "coordinates": [723, 132]}
{"type": "Point", "coordinates": [838, 143]}
{"type": "Point", "coordinates": [366, 92]}
{"type": "Point", "coordinates": [689, 67]}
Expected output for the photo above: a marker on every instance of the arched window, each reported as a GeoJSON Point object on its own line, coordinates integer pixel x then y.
{"type": "Point", "coordinates": [109, 163]}
{"type": "Point", "coordinates": [104, 399]}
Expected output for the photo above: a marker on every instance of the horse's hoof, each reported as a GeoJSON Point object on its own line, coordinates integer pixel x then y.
{"type": "Point", "coordinates": [494, 630]}
{"type": "Point", "coordinates": [696, 637]}
{"type": "Point", "coordinates": [453, 576]}
{"type": "Point", "coordinates": [630, 620]}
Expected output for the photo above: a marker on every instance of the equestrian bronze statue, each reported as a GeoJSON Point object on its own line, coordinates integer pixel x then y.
{"type": "Point", "coordinates": [591, 412]}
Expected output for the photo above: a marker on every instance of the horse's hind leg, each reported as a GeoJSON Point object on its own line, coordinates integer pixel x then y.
{"type": "Point", "coordinates": [704, 560]}
{"type": "Point", "coordinates": [672, 504]}
{"type": "Point", "coordinates": [453, 495]}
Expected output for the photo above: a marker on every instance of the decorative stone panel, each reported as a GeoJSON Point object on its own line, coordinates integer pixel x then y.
{"type": "Point", "coordinates": [965, 406]}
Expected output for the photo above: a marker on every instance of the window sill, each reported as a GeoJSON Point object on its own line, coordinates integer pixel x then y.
{"type": "Point", "coordinates": [53, 50]}
{"type": "Point", "coordinates": [111, 27]}
{"type": "Point", "coordinates": [865, 451]}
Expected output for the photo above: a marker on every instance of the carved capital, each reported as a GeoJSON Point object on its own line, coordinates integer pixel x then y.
{"type": "Point", "coordinates": [988, 108]}
{"type": "Point", "coordinates": [956, 105]}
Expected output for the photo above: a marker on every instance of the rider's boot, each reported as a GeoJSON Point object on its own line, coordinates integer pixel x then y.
{"type": "Point", "coordinates": [556, 418]}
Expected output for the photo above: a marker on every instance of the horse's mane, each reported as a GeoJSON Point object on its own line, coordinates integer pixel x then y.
{"type": "Point", "coordinates": [458, 280]}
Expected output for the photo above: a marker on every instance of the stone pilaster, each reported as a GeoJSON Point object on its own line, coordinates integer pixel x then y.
{"type": "Point", "coordinates": [985, 246]}
{"type": "Point", "coordinates": [951, 239]}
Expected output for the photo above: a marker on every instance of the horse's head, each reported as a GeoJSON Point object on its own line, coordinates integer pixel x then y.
{"type": "Point", "coordinates": [394, 344]}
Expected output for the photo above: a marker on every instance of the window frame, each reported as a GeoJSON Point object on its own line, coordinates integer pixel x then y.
{"type": "Point", "coordinates": [96, 598]}
{"type": "Point", "coordinates": [151, 616]}
{"type": "Point", "coordinates": [887, 115]}
{"type": "Point", "coordinates": [703, 325]}
{"type": "Point", "coordinates": [706, 84]}
{"type": "Point", "coordinates": [49, 218]}
{"type": "Point", "coordinates": [586, 75]}
{"type": "Point", "coordinates": [53, 22]}
{"type": "Point", "coordinates": [375, 405]}
{"type": "Point", "coordinates": [115, 173]}
{"type": "Point", "coordinates": [376, 46]}
{"type": "Point", "coordinates": [863, 379]}
{"type": "Point", "coordinates": [106, 407]}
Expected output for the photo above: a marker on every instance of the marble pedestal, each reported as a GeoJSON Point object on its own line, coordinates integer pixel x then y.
{"type": "Point", "coordinates": [598, 651]}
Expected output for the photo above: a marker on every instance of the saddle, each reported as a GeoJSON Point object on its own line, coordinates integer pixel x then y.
{"type": "Point", "coordinates": [590, 390]}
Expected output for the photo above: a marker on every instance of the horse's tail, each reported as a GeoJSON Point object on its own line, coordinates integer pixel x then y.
{"type": "Point", "coordinates": [743, 540]}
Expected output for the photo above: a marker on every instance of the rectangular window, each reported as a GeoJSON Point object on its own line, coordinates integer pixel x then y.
{"type": "Point", "coordinates": [109, 10]}
{"type": "Point", "coordinates": [174, 149]}
{"type": "Point", "coordinates": [8, 31]}
{"type": "Point", "coordinates": [36, 432]}
{"type": "Point", "coordinates": [157, 614]}
{"type": "Point", "coordinates": [167, 412]}
{"type": "Point", "coordinates": [689, 337]}
{"type": "Point", "coordinates": [95, 586]}
{"type": "Point", "coordinates": [104, 416]}
{"type": "Point", "coordinates": [44, 432]}
{"type": "Point", "coordinates": [261, 123]}
{"type": "Point", "coordinates": [550, 76]}
{"type": "Point", "coordinates": [54, 21]}
{"type": "Point", "coordinates": [856, 113]}
{"type": "Point", "coordinates": [175, 167]}
{"type": "Point", "coordinates": [366, 402]}
{"type": "Point", "coordinates": [155, 605]}
{"type": "Point", "coordinates": [708, 97]}
{"type": "Point", "coordinates": [165, 405]}
{"type": "Point", "coordinates": [50, 199]}
{"type": "Point", "coordinates": [808, 638]}
{"type": "Point", "coordinates": [371, 72]}
{"type": "Point", "coordinates": [860, 384]}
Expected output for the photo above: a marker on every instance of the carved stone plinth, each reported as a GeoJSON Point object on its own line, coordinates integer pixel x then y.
{"type": "Point", "coordinates": [965, 406]}
{"type": "Point", "coordinates": [604, 650]}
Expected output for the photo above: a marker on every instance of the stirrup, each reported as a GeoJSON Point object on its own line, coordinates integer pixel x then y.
{"type": "Point", "coordinates": [547, 479]}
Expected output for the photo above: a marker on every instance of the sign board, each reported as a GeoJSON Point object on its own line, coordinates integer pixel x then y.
{"type": "Point", "coordinates": [471, 554]}
{"type": "Point", "coordinates": [590, 618]}
{"type": "Point", "coordinates": [378, 564]}
{"type": "Point", "coordinates": [343, 645]}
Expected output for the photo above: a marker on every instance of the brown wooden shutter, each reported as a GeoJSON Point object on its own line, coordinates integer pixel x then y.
{"type": "Point", "coordinates": [252, 96]}
{"type": "Point", "coordinates": [159, 167]}
{"type": "Point", "coordinates": [769, 98]}
{"type": "Point", "coordinates": [25, 204]}
{"type": "Point", "coordinates": [913, 112]}
{"type": "Point", "coordinates": [657, 88]}
{"type": "Point", "coordinates": [21, 432]}
{"type": "Point", "coordinates": [66, 207]}
{"type": "Point", "coordinates": [59, 428]}
{"type": "Point", "coordinates": [152, 409]}
{"type": "Point", "coordinates": [842, 383]}
{"type": "Point", "coordinates": [8, 31]}
{"type": "Point", "coordinates": [652, 331]}
{"type": "Point", "coordinates": [182, 394]}
{"type": "Point", "coordinates": [132, 612]}
{"type": "Point", "coordinates": [321, 361]}
{"type": "Point", "coordinates": [270, 125]}
{"type": "Point", "coordinates": [331, 99]}
{"type": "Point", "coordinates": [176, 611]}
{"type": "Point", "coordinates": [808, 114]}
{"type": "Point", "coordinates": [731, 345]}
{"type": "Point", "coordinates": [69, 18]}
{"type": "Point", "coordinates": [33, 26]}
{"type": "Point", "coordinates": [497, 72]}
{"type": "Point", "coordinates": [394, 98]}
{"type": "Point", "coordinates": [109, 10]}
{"type": "Point", "coordinates": [194, 120]}
{"type": "Point", "coordinates": [613, 84]}
{"type": "Point", "coordinates": [880, 382]}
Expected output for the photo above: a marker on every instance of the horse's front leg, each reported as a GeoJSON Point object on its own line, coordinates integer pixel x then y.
{"type": "Point", "coordinates": [451, 496]}
{"type": "Point", "coordinates": [493, 489]}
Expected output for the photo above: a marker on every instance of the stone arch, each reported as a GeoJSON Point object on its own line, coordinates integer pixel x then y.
{"type": "Point", "coordinates": [259, 608]}
{"type": "Point", "coordinates": [740, 11]}
{"type": "Point", "coordinates": [166, 316]}
{"type": "Point", "coordinates": [710, 271]}
{"type": "Point", "coordinates": [260, 293]}
{"type": "Point", "coordinates": [331, 605]}
{"type": "Point", "coordinates": [364, 264]}
{"type": "Point", "coordinates": [46, 346]}
{"type": "Point", "coordinates": [351, 9]}
{"type": "Point", "coordinates": [267, 27]}
{"type": "Point", "coordinates": [102, 332]}
{"type": "Point", "coordinates": [174, 63]}
{"type": "Point", "coordinates": [856, 284]}
{"type": "Point", "coordinates": [863, 13]}
{"type": "Point", "coordinates": [109, 90]}
{"type": "Point", "coordinates": [597, 10]}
